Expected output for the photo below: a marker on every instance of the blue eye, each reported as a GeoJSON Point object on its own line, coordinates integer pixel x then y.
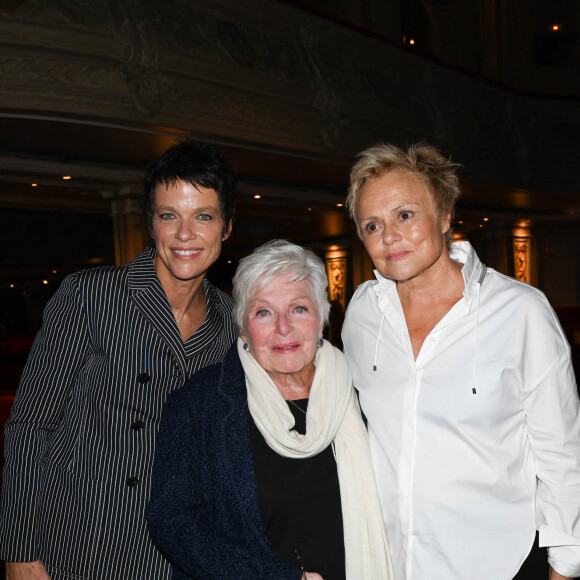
{"type": "Point", "coordinates": [166, 216]}
{"type": "Point", "coordinates": [262, 313]}
{"type": "Point", "coordinates": [205, 217]}
{"type": "Point", "coordinates": [301, 309]}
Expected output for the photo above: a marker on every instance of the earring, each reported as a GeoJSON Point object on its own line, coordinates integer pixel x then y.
{"type": "Point", "coordinates": [246, 347]}
{"type": "Point", "coordinates": [320, 342]}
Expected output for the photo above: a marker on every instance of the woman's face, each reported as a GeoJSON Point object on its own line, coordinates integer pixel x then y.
{"type": "Point", "coordinates": [188, 230]}
{"type": "Point", "coordinates": [282, 328]}
{"type": "Point", "coordinates": [398, 226]}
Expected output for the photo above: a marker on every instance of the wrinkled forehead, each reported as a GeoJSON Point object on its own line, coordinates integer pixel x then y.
{"type": "Point", "coordinates": [394, 184]}
{"type": "Point", "coordinates": [281, 279]}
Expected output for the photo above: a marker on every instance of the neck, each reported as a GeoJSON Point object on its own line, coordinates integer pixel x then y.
{"type": "Point", "coordinates": [442, 278]}
{"type": "Point", "coordinates": [181, 294]}
{"type": "Point", "coordinates": [185, 300]}
{"type": "Point", "coordinates": [294, 386]}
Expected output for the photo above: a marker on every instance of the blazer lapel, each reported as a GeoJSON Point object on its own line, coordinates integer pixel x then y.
{"type": "Point", "coordinates": [149, 298]}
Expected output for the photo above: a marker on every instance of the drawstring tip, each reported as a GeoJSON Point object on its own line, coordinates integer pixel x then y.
{"type": "Point", "coordinates": [374, 367]}
{"type": "Point", "coordinates": [474, 391]}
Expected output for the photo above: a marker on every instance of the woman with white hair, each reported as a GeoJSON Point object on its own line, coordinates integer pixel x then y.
{"type": "Point", "coordinates": [262, 468]}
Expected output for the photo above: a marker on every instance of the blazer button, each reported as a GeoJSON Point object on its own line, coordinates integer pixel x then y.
{"type": "Point", "coordinates": [143, 378]}
{"type": "Point", "coordinates": [132, 481]}
{"type": "Point", "coordinates": [137, 425]}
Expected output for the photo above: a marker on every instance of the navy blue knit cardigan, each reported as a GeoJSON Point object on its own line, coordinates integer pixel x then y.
{"type": "Point", "coordinates": [204, 512]}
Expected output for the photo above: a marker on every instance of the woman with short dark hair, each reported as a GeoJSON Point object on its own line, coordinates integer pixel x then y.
{"type": "Point", "coordinates": [114, 343]}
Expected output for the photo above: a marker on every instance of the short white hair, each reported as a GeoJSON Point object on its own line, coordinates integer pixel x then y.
{"type": "Point", "coordinates": [278, 258]}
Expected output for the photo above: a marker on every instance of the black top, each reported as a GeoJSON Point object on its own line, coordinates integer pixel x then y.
{"type": "Point", "coordinates": [300, 502]}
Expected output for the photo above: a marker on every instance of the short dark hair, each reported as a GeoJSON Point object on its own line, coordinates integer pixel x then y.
{"type": "Point", "coordinates": [195, 163]}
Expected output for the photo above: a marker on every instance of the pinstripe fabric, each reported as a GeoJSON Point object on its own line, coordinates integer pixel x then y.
{"type": "Point", "coordinates": [79, 443]}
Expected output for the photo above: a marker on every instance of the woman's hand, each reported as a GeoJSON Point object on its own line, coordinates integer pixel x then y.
{"type": "Point", "coordinates": [26, 571]}
{"type": "Point", "coordinates": [309, 576]}
{"type": "Point", "coordinates": [553, 575]}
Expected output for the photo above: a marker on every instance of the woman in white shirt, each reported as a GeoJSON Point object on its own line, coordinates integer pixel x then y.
{"type": "Point", "coordinates": [466, 381]}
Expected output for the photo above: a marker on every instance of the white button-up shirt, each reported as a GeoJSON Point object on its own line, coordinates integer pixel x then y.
{"type": "Point", "coordinates": [476, 443]}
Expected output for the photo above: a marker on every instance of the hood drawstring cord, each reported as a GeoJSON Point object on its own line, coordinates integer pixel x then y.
{"type": "Point", "coordinates": [480, 282]}
{"type": "Point", "coordinates": [378, 342]}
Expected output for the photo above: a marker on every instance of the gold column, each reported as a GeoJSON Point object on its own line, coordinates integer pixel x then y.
{"type": "Point", "coordinates": [336, 271]}
{"type": "Point", "coordinates": [522, 252]}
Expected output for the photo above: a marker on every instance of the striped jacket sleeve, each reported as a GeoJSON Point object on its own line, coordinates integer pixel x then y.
{"type": "Point", "coordinates": [56, 357]}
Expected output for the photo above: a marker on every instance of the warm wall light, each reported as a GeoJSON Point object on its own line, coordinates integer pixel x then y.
{"type": "Point", "coordinates": [45, 281]}
{"type": "Point", "coordinates": [34, 184]}
{"type": "Point", "coordinates": [411, 41]}
{"type": "Point", "coordinates": [555, 27]}
{"type": "Point", "coordinates": [11, 285]}
{"type": "Point", "coordinates": [522, 229]}
{"type": "Point", "coordinates": [339, 205]}
{"type": "Point", "coordinates": [257, 196]}
{"type": "Point", "coordinates": [485, 219]}
{"type": "Point", "coordinates": [66, 177]}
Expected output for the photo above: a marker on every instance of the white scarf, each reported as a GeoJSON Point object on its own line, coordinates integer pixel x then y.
{"type": "Point", "coordinates": [333, 417]}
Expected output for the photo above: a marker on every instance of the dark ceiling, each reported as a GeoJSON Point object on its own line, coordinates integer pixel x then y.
{"type": "Point", "coordinates": [299, 193]}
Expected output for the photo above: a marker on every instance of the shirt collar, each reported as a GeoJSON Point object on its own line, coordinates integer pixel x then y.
{"type": "Point", "coordinates": [473, 270]}
{"type": "Point", "coordinates": [461, 252]}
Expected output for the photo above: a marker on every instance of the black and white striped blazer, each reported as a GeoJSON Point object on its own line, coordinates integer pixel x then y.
{"type": "Point", "coordinates": [80, 440]}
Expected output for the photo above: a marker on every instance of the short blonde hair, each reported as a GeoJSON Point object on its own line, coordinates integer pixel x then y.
{"type": "Point", "coordinates": [423, 160]}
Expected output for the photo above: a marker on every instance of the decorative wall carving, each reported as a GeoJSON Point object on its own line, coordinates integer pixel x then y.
{"type": "Point", "coordinates": [336, 272]}
{"type": "Point", "coordinates": [84, 14]}
{"type": "Point", "coordinates": [522, 267]}
{"type": "Point", "coordinates": [141, 66]}
{"type": "Point", "coordinates": [59, 75]}
{"type": "Point", "coordinates": [264, 72]}
{"type": "Point", "coordinates": [236, 44]}
{"type": "Point", "coordinates": [326, 99]}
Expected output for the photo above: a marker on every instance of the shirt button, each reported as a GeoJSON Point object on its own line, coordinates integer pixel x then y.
{"type": "Point", "coordinates": [133, 481]}
{"type": "Point", "coordinates": [137, 425]}
{"type": "Point", "coordinates": [143, 378]}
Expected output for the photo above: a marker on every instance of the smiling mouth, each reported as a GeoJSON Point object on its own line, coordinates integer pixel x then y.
{"type": "Point", "coordinates": [286, 348]}
{"type": "Point", "coordinates": [186, 253]}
